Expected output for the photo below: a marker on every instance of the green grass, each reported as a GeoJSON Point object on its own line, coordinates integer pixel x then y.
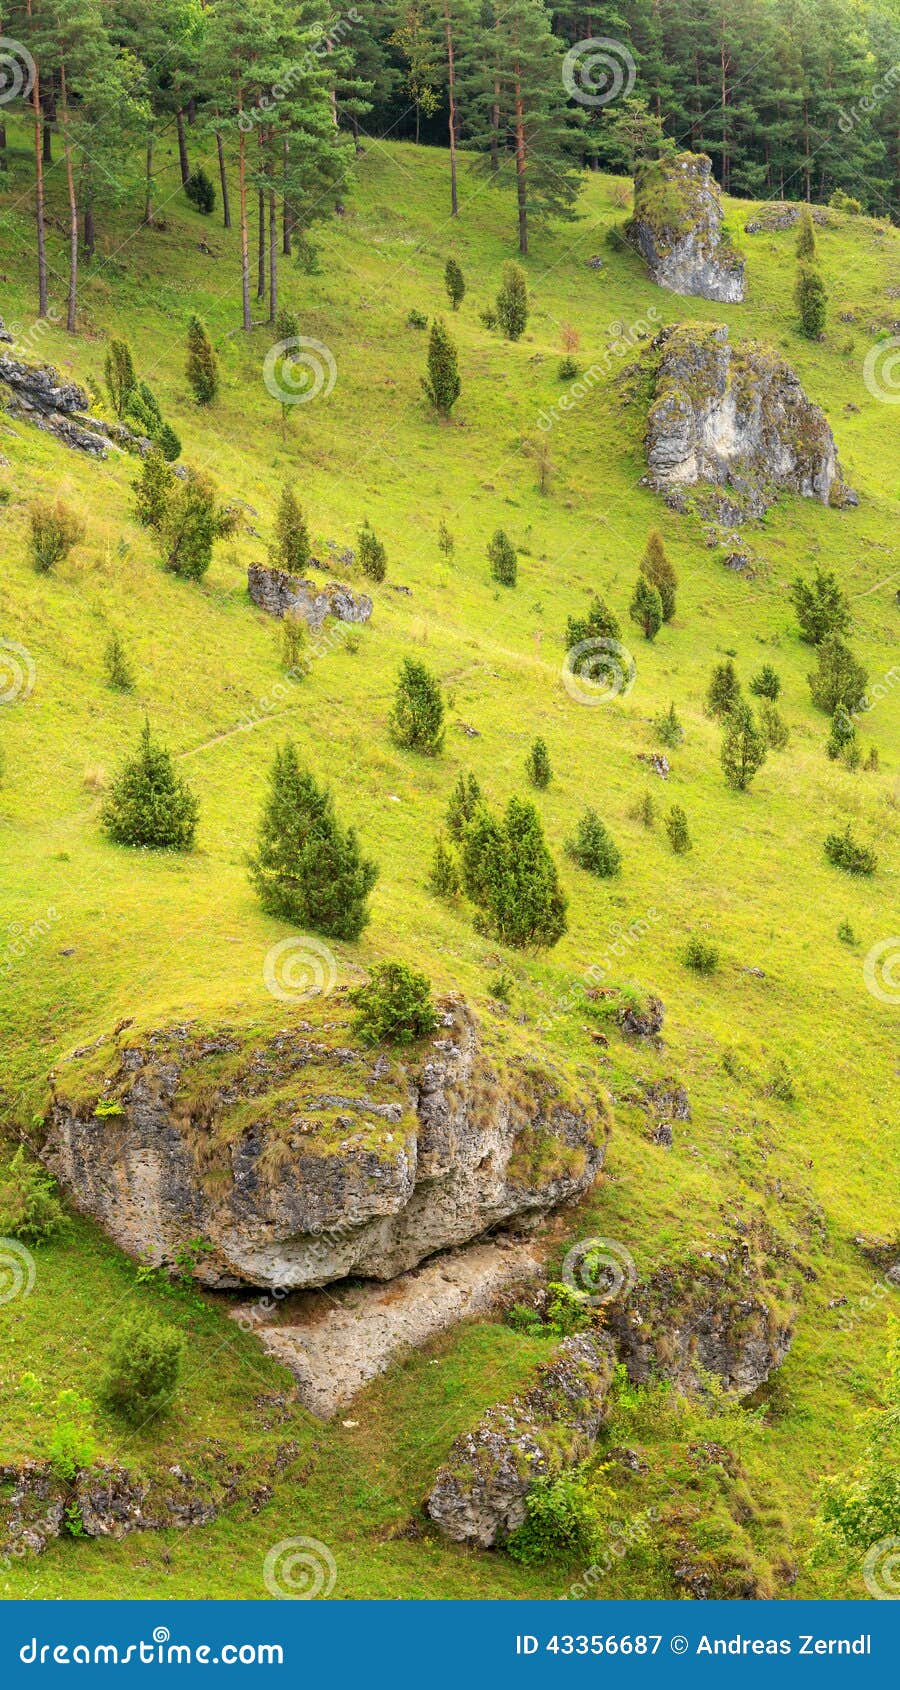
{"type": "Point", "coordinates": [93, 933]}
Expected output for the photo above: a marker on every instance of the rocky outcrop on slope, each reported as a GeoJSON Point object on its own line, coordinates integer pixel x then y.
{"type": "Point", "coordinates": [479, 1496]}
{"type": "Point", "coordinates": [298, 1158]}
{"type": "Point", "coordinates": [39, 395]}
{"type": "Point", "coordinates": [735, 418]}
{"type": "Point", "coordinates": [336, 1342]}
{"type": "Point", "coordinates": [783, 214]}
{"type": "Point", "coordinates": [677, 228]}
{"type": "Point", "coordinates": [282, 595]}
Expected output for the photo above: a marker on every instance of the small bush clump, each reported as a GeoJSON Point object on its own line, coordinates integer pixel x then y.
{"type": "Point", "coordinates": [394, 1006]}
{"type": "Point", "coordinates": [668, 728]}
{"type": "Point", "coordinates": [54, 530]}
{"type": "Point", "coordinates": [845, 852]}
{"type": "Point", "coordinates": [454, 282]}
{"type": "Point", "coordinates": [202, 363]}
{"type": "Point", "coordinates": [537, 765]}
{"type": "Point", "coordinates": [149, 805]}
{"type": "Point", "coordinates": [592, 848]}
{"type": "Point", "coordinates": [677, 830]}
{"type": "Point", "coordinates": [307, 868]}
{"type": "Point", "coordinates": [29, 1207]}
{"type": "Point", "coordinates": [372, 553]}
{"type": "Point", "coordinates": [142, 1368]}
{"type": "Point", "coordinates": [444, 879]}
{"type": "Point", "coordinates": [119, 673]}
{"type": "Point", "coordinates": [502, 558]}
{"type": "Point", "coordinates": [700, 956]}
{"type": "Point", "coordinates": [559, 1522]}
{"type": "Point", "coordinates": [766, 684]}
{"type": "Point", "coordinates": [512, 302]}
{"type": "Point", "coordinates": [200, 191]}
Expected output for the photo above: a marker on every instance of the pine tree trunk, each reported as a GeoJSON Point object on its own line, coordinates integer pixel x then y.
{"type": "Point", "coordinates": [49, 110]}
{"type": "Point", "coordinates": [521, 167]}
{"type": "Point", "coordinates": [90, 233]}
{"type": "Point", "coordinates": [148, 187]}
{"type": "Point", "coordinates": [245, 242]}
{"type": "Point", "coordinates": [223, 182]}
{"type": "Point", "coordinates": [73, 206]}
{"type": "Point", "coordinates": [39, 189]}
{"type": "Point", "coordinates": [261, 244]}
{"type": "Point", "coordinates": [182, 148]}
{"type": "Point", "coordinates": [451, 90]}
{"type": "Point", "coordinates": [286, 210]}
{"type": "Point", "coordinates": [273, 256]}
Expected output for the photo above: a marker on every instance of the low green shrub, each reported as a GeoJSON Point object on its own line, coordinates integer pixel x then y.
{"type": "Point", "coordinates": [394, 1006]}
{"type": "Point", "coordinates": [142, 1368]}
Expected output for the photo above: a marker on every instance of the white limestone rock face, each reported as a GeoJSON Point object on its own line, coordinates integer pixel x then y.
{"type": "Point", "coordinates": [677, 228]}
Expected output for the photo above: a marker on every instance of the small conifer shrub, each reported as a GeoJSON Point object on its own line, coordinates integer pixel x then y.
{"type": "Point", "coordinates": [307, 867]}
{"type": "Point", "coordinates": [592, 848]}
{"type": "Point", "coordinates": [53, 532]}
{"type": "Point", "coordinates": [417, 717]}
{"type": "Point", "coordinates": [142, 1368]}
{"type": "Point", "coordinates": [503, 560]}
{"type": "Point", "coordinates": [119, 674]}
{"type": "Point", "coordinates": [537, 765]}
{"type": "Point", "coordinates": [372, 553]}
{"type": "Point", "coordinates": [149, 805]}
{"type": "Point", "coordinates": [512, 302]}
{"type": "Point", "coordinates": [845, 852]}
{"type": "Point", "coordinates": [202, 363]}
{"type": "Point", "coordinates": [455, 283]}
{"type": "Point", "coordinates": [201, 192]}
{"type": "Point", "coordinates": [677, 830]}
{"type": "Point", "coordinates": [394, 1006]}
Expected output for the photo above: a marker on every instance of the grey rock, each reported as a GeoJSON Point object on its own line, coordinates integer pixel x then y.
{"type": "Point", "coordinates": [281, 594]}
{"type": "Point", "coordinates": [42, 397]}
{"type": "Point", "coordinates": [736, 418]}
{"type": "Point", "coordinates": [295, 1181]}
{"type": "Point", "coordinates": [479, 1496]}
{"type": "Point", "coordinates": [677, 228]}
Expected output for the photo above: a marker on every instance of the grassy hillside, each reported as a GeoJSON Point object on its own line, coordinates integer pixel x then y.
{"type": "Point", "coordinates": [93, 934]}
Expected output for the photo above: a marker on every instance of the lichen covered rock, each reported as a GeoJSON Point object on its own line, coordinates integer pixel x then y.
{"type": "Point", "coordinates": [736, 418]}
{"type": "Point", "coordinates": [298, 1158]}
{"type": "Point", "coordinates": [281, 594]}
{"type": "Point", "coordinates": [677, 228]}
{"type": "Point", "coordinates": [479, 1496]}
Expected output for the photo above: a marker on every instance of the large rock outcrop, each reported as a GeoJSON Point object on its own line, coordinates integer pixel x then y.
{"type": "Point", "coordinates": [41, 396]}
{"type": "Point", "coordinates": [298, 1158]}
{"type": "Point", "coordinates": [282, 595]}
{"type": "Point", "coordinates": [735, 418]}
{"type": "Point", "coordinates": [479, 1496]}
{"type": "Point", "coordinates": [677, 228]}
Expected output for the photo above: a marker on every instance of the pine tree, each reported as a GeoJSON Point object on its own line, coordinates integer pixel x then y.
{"type": "Point", "coordinates": [766, 684]}
{"type": "Point", "coordinates": [537, 765]}
{"type": "Point", "coordinates": [443, 385]}
{"type": "Point", "coordinates": [307, 868]}
{"type": "Point", "coordinates": [677, 830]}
{"type": "Point", "coordinates": [372, 553]}
{"type": "Point", "coordinates": [724, 692]}
{"type": "Point", "coordinates": [417, 718]}
{"type": "Point", "coordinates": [646, 608]}
{"type": "Point", "coordinates": [503, 561]}
{"type": "Point", "coordinates": [599, 624]}
{"type": "Point", "coordinates": [822, 606]}
{"type": "Point", "coordinates": [191, 523]}
{"type": "Point", "coordinates": [774, 726]}
{"type": "Point", "coordinates": [512, 302]}
{"type": "Point", "coordinates": [464, 800]}
{"type": "Point", "coordinates": [290, 549]}
{"type": "Point", "coordinates": [668, 727]}
{"type": "Point", "coordinates": [445, 540]}
{"type": "Point", "coordinates": [744, 748]}
{"type": "Point", "coordinates": [811, 299]}
{"type": "Point", "coordinates": [839, 680]}
{"type": "Point", "coordinates": [148, 804]}
{"type": "Point", "coordinates": [592, 848]}
{"type": "Point", "coordinates": [118, 371]}
{"type": "Point", "coordinates": [843, 732]}
{"type": "Point", "coordinates": [202, 363]}
{"type": "Point", "coordinates": [455, 283]}
{"type": "Point", "coordinates": [444, 879]}
{"type": "Point", "coordinates": [805, 247]}
{"type": "Point", "coordinates": [119, 674]}
{"type": "Point", "coordinates": [510, 875]}
{"type": "Point", "coordinates": [658, 569]}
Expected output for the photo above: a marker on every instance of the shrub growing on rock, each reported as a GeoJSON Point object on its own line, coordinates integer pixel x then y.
{"type": "Point", "coordinates": [455, 283]}
{"type": "Point", "coordinates": [559, 1522]}
{"type": "Point", "coordinates": [307, 868]}
{"type": "Point", "coordinates": [502, 558]}
{"type": "Point", "coordinates": [509, 874]}
{"type": "Point", "coordinates": [646, 608]}
{"type": "Point", "coordinates": [847, 853]}
{"type": "Point", "coordinates": [149, 805]}
{"type": "Point", "coordinates": [202, 363]}
{"type": "Point", "coordinates": [290, 547]}
{"type": "Point", "coordinates": [372, 553]}
{"type": "Point", "coordinates": [54, 530]}
{"type": "Point", "coordinates": [766, 683]}
{"type": "Point", "coordinates": [839, 679]}
{"type": "Point", "coordinates": [201, 192]}
{"type": "Point", "coordinates": [744, 748]}
{"type": "Point", "coordinates": [417, 719]}
{"type": "Point", "coordinates": [537, 765]}
{"type": "Point", "coordinates": [592, 848]}
{"type": "Point", "coordinates": [394, 1006]}
{"type": "Point", "coordinates": [29, 1208]}
{"type": "Point", "coordinates": [724, 690]}
{"type": "Point", "coordinates": [659, 570]}
{"type": "Point", "coordinates": [142, 1368]}
{"type": "Point", "coordinates": [677, 830]}
{"type": "Point", "coordinates": [512, 302]}
{"type": "Point", "coordinates": [442, 384]}
{"type": "Point", "coordinates": [822, 607]}
{"type": "Point", "coordinates": [119, 674]}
